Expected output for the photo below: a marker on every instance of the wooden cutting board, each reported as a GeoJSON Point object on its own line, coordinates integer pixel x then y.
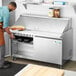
{"type": "Point", "coordinates": [36, 70]}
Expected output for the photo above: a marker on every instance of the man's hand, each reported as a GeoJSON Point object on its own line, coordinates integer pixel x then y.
{"type": "Point", "coordinates": [10, 33]}
{"type": "Point", "coordinates": [12, 36]}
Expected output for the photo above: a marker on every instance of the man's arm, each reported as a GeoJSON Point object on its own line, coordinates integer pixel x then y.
{"type": "Point", "coordinates": [6, 17]}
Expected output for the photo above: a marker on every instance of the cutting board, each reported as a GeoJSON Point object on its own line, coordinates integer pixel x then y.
{"type": "Point", "coordinates": [36, 70]}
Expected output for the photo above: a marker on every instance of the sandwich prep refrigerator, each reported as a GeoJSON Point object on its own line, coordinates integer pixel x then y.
{"type": "Point", "coordinates": [45, 39]}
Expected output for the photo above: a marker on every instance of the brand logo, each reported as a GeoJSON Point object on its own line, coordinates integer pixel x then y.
{"type": "Point", "coordinates": [58, 42]}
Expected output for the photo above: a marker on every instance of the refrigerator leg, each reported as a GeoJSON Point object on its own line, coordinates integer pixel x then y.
{"type": "Point", "coordinates": [60, 66]}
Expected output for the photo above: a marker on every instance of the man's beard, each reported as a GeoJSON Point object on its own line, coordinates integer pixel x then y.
{"type": "Point", "coordinates": [10, 10]}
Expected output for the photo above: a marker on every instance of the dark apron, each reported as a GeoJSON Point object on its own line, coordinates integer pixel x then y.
{"type": "Point", "coordinates": [2, 41]}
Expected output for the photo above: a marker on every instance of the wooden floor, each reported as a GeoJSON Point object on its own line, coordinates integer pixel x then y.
{"type": "Point", "coordinates": [70, 65]}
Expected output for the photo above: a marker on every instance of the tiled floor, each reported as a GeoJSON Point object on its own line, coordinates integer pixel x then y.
{"type": "Point", "coordinates": [70, 65]}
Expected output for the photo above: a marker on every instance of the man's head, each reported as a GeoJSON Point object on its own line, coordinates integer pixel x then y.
{"type": "Point", "coordinates": [12, 6]}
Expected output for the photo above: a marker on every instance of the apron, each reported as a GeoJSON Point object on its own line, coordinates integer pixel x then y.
{"type": "Point", "coordinates": [2, 41]}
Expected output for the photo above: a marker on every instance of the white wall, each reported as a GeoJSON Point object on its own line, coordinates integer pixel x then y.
{"type": "Point", "coordinates": [74, 32]}
{"type": "Point", "coordinates": [66, 12]}
{"type": "Point", "coordinates": [20, 8]}
{"type": "Point", "coordinates": [0, 2]}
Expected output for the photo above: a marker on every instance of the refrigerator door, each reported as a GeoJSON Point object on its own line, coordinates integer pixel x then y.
{"type": "Point", "coordinates": [48, 50]}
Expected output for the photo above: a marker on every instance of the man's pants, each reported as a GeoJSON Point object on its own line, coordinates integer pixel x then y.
{"type": "Point", "coordinates": [2, 54]}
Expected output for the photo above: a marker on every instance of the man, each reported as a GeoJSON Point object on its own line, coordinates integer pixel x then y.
{"type": "Point", "coordinates": [4, 23]}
